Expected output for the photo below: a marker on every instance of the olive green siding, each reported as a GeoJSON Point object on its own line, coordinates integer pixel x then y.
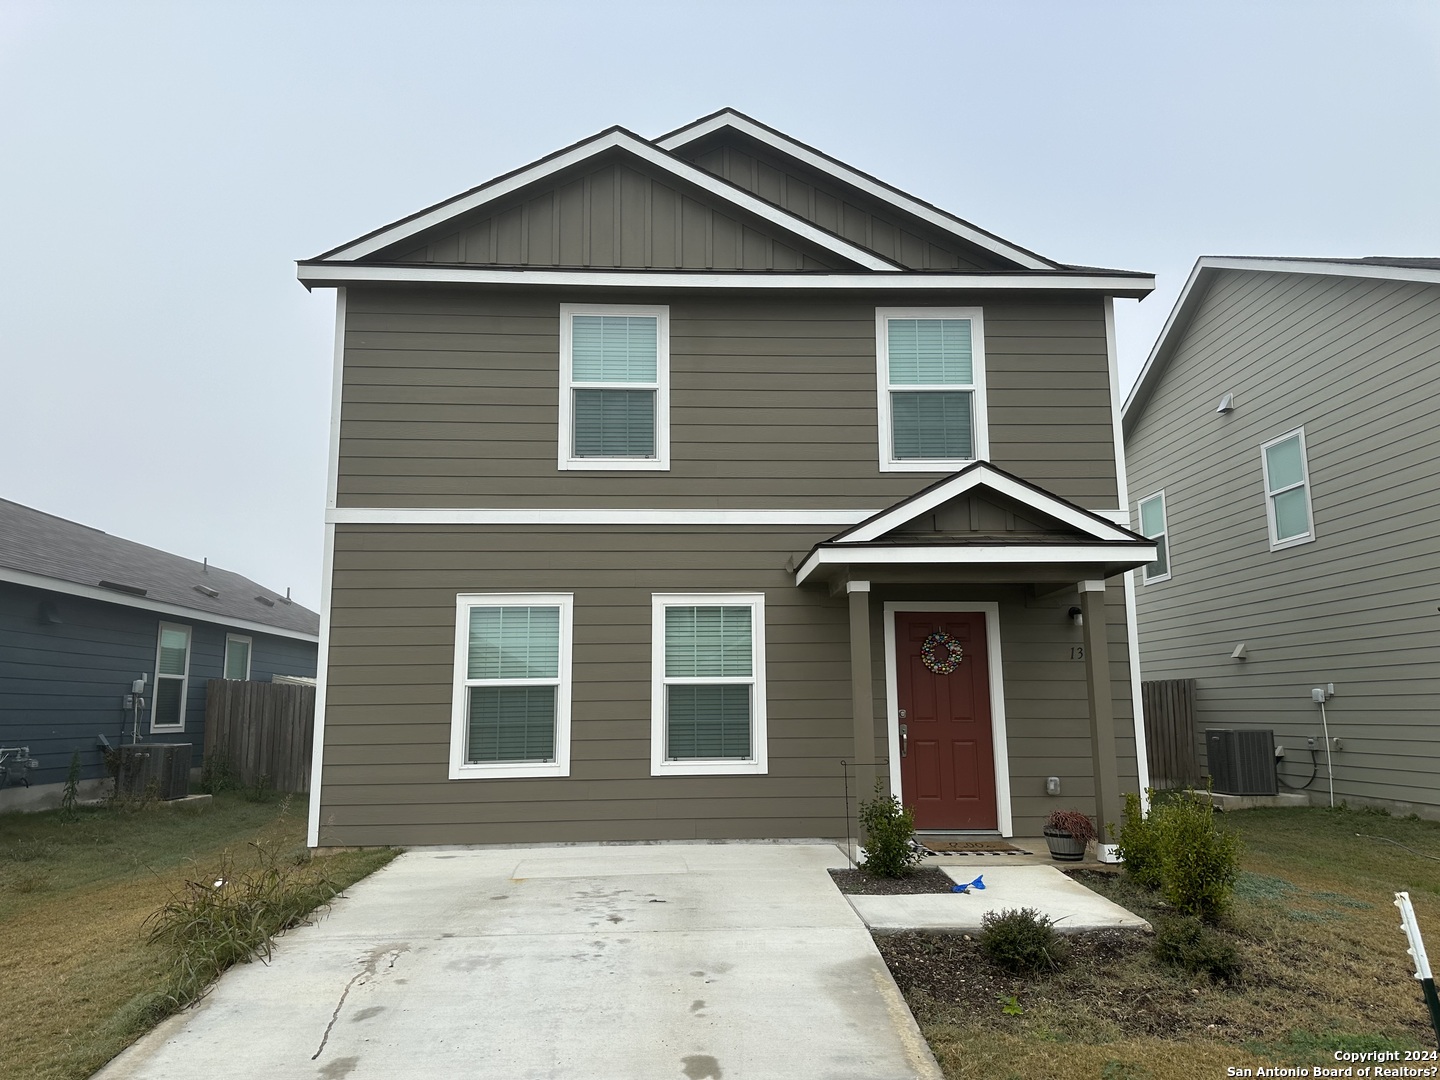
{"type": "Point", "coordinates": [1354, 362]}
{"type": "Point", "coordinates": [450, 399]}
{"type": "Point", "coordinates": [840, 208]}
{"type": "Point", "coordinates": [613, 216]}
{"type": "Point", "coordinates": [391, 656]}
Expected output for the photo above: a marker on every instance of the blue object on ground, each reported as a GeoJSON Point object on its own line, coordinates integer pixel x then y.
{"type": "Point", "coordinates": [978, 883]}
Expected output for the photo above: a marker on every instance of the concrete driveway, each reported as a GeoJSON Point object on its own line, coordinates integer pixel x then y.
{"type": "Point", "coordinates": [701, 962]}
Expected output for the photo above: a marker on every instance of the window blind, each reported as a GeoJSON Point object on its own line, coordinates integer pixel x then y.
{"type": "Point", "coordinates": [514, 643]}
{"type": "Point", "coordinates": [614, 348]}
{"type": "Point", "coordinates": [930, 352]}
{"type": "Point", "coordinates": [707, 721]}
{"type": "Point", "coordinates": [511, 723]}
{"type": "Point", "coordinates": [615, 423]}
{"type": "Point", "coordinates": [707, 641]}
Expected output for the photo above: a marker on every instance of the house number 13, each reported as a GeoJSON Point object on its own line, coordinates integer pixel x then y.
{"type": "Point", "coordinates": [1077, 652]}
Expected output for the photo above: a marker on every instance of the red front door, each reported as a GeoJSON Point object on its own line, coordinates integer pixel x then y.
{"type": "Point", "coordinates": [947, 757]}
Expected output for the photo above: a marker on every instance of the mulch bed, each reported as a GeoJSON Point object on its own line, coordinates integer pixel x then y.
{"type": "Point", "coordinates": [927, 879]}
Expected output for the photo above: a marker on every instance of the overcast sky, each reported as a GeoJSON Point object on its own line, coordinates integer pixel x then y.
{"type": "Point", "coordinates": [161, 166]}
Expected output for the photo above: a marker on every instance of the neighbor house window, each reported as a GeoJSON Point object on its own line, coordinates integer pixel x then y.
{"type": "Point", "coordinates": [1153, 526]}
{"type": "Point", "coordinates": [511, 707]}
{"type": "Point", "coordinates": [708, 683]}
{"type": "Point", "coordinates": [172, 678]}
{"type": "Point", "coordinates": [931, 372]}
{"type": "Point", "coordinates": [1287, 490]}
{"type": "Point", "coordinates": [614, 387]}
{"type": "Point", "coordinates": [237, 657]}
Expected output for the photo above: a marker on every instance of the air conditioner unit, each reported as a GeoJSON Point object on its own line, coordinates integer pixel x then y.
{"type": "Point", "coordinates": [161, 769]}
{"type": "Point", "coordinates": [1242, 761]}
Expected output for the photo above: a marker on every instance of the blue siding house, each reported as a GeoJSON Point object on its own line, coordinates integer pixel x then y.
{"type": "Point", "coordinates": [83, 615]}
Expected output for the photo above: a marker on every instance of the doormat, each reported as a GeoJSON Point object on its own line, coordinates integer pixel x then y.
{"type": "Point", "coordinates": [973, 847]}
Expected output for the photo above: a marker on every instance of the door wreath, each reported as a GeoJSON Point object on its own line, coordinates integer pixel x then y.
{"type": "Point", "coordinates": [953, 653]}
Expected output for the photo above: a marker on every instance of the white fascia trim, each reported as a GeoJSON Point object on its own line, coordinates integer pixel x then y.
{"type": "Point", "coordinates": [1162, 343]}
{"type": "Point", "coordinates": [1112, 357]}
{"type": "Point", "coordinates": [327, 275]}
{"type": "Point", "coordinates": [355, 515]}
{"type": "Point", "coordinates": [1004, 818]}
{"type": "Point", "coordinates": [650, 155]}
{"type": "Point", "coordinates": [1137, 705]}
{"type": "Point", "coordinates": [110, 596]}
{"type": "Point", "coordinates": [567, 459]}
{"type": "Point", "coordinates": [1008, 555]}
{"type": "Point", "coordinates": [322, 690]}
{"type": "Point", "coordinates": [855, 179]}
{"type": "Point", "coordinates": [984, 476]}
{"type": "Point", "coordinates": [337, 387]}
{"type": "Point", "coordinates": [460, 769]}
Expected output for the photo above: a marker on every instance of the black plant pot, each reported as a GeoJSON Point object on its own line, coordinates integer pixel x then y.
{"type": "Point", "coordinates": [1063, 846]}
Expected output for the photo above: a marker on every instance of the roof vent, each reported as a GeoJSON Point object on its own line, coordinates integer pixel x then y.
{"type": "Point", "coordinates": [266, 601]}
{"type": "Point", "coordinates": [1227, 404]}
{"type": "Point", "coordinates": [286, 598]}
{"type": "Point", "coordinates": [133, 590]}
{"type": "Point", "coordinates": [207, 590]}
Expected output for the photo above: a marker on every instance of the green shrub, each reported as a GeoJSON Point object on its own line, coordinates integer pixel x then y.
{"type": "Point", "coordinates": [1139, 846]}
{"type": "Point", "coordinates": [1021, 942]}
{"type": "Point", "coordinates": [890, 850]}
{"type": "Point", "coordinates": [216, 775]}
{"type": "Point", "coordinates": [1185, 942]}
{"type": "Point", "coordinates": [1199, 859]}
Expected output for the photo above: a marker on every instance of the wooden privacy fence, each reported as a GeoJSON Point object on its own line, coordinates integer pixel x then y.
{"type": "Point", "coordinates": [1170, 738]}
{"type": "Point", "coordinates": [263, 729]}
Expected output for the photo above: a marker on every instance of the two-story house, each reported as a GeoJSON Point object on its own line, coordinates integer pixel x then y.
{"type": "Point", "coordinates": [681, 486]}
{"type": "Point", "coordinates": [1280, 444]}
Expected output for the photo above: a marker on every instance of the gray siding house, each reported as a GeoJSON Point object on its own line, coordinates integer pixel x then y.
{"type": "Point", "coordinates": [1282, 451]}
{"type": "Point", "coordinates": [84, 614]}
{"type": "Point", "coordinates": [680, 486]}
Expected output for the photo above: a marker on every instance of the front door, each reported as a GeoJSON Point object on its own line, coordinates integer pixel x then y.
{"type": "Point", "coordinates": [947, 758]}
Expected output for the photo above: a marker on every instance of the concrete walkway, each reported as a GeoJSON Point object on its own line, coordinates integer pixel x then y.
{"type": "Point", "coordinates": [1071, 906]}
{"type": "Point", "coordinates": [702, 962]}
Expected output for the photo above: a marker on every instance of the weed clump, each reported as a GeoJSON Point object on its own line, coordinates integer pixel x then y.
{"type": "Point", "coordinates": [226, 917]}
{"type": "Point", "coordinates": [1139, 847]}
{"type": "Point", "coordinates": [1186, 942]}
{"type": "Point", "coordinates": [890, 849]}
{"type": "Point", "coordinates": [1022, 942]}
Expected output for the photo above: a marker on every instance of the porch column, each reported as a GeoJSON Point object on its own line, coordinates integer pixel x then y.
{"type": "Point", "coordinates": [862, 689]}
{"type": "Point", "coordinates": [1102, 705]}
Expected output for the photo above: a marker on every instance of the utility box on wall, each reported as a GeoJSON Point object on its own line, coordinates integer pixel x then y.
{"type": "Point", "coordinates": [1242, 761]}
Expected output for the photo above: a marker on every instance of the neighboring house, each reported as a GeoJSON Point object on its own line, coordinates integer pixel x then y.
{"type": "Point", "coordinates": [84, 614]}
{"type": "Point", "coordinates": [1282, 450]}
{"type": "Point", "coordinates": [656, 467]}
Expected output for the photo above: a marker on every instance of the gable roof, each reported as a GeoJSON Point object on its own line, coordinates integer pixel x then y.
{"type": "Point", "coordinates": [47, 552]}
{"type": "Point", "coordinates": [1098, 539]}
{"type": "Point", "coordinates": [612, 139]}
{"type": "Point", "coordinates": [357, 262]}
{"type": "Point", "coordinates": [1208, 267]}
{"type": "Point", "coordinates": [931, 214]}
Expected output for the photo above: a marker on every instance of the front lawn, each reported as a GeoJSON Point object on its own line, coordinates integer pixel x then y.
{"type": "Point", "coordinates": [1323, 968]}
{"type": "Point", "coordinates": [78, 982]}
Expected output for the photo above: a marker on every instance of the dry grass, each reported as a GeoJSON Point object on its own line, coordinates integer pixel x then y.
{"type": "Point", "coordinates": [80, 982]}
{"type": "Point", "coordinates": [1324, 968]}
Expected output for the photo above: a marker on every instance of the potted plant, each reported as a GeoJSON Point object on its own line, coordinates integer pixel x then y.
{"type": "Point", "coordinates": [1068, 833]}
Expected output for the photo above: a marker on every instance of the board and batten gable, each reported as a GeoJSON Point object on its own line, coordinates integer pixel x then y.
{"type": "Point", "coordinates": [450, 399]}
{"type": "Point", "coordinates": [840, 208]}
{"type": "Point", "coordinates": [1352, 361]}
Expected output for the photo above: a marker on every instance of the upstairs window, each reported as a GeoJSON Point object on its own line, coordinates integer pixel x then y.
{"type": "Point", "coordinates": [708, 697]}
{"type": "Point", "coordinates": [932, 389]}
{"type": "Point", "coordinates": [172, 678]}
{"type": "Point", "coordinates": [1287, 490]}
{"type": "Point", "coordinates": [510, 712]}
{"type": "Point", "coordinates": [614, 387]}
{"type": "Point", "coordinates": [1154, 526]}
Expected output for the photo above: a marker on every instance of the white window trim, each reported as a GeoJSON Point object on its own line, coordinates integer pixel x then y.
{"type": "Point", "coordinates": [1277, 544]}
{"type": "Point", "coordinates": [184, 679]}
{"type": "Point", "coordinates": [249, 654]}
{"type": "Point", "coordinates": [980, 430]}
{"type": "Point", "coordinates": [758, 763]}
{"type": "Point", "coordinates": [460, 769]}
{"type": "Point", "coordinates": [1145, 577]}
{"type": "Point", "coordinates": [567, 459]}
